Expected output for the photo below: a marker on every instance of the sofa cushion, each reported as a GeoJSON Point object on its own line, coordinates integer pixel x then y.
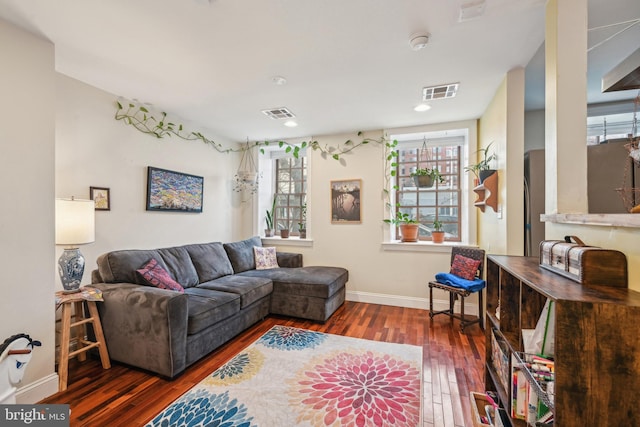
{"type": "Point", "coordinates": [121, 266]}
{"type": "Point", "coordinates": [265, 257]}
{"type": "Point", "coordinates": [241, 254]}
{"type": "Point", "coordinates": [154, 275]}
{"type": "Point", "coordinates": [207, 307]}
{"type": "Point", "coordinates": [321, 282]}
{"type": "Point", "coordinates": [250, 289]}
{"type": "Point", "coordinates": [210, 260]}
{"type": "Point", "coordinates": [180, 266]}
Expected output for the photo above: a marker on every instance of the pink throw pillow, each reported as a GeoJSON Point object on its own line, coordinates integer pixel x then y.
{"type": "Point", "coordinates": [464, 267]}
{"type": "Point", "coordinates": [154, 275]}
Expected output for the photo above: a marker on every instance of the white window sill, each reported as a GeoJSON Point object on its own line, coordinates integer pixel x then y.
{"type": "Point", "coordinates": [421, 246]}
{"type": "Point", "coordinates": [291, 241]}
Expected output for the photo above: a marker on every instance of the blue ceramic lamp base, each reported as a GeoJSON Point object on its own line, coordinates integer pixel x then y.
{"type": "Point", "coordinates": [71, 269]}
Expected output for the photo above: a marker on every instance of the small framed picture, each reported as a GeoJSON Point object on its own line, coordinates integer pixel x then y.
{"type": "Point", "coordinates": [101, 197]}
{"type": "Point", "coordinates": [345, 201]}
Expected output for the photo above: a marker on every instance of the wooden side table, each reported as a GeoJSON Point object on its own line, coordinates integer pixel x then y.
{"type": "Point", "coordinates": [78, 320]}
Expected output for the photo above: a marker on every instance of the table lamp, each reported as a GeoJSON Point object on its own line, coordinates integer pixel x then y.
{"type": "Point", "coordinates": [75, 225]}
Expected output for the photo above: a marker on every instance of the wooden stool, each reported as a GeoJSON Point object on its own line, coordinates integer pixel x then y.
{"type": "Point", "coordinates": [80, 320]}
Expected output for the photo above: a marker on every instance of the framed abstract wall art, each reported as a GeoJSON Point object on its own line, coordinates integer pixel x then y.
{"type": "Point", "coordinates": [345, 201]}
{"type": "Point", "coordinates": [173, 191]}
{"type": "Point", "coordinates": [101, 197]}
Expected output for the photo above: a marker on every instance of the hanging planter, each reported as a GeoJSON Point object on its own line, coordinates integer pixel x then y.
{"type": "Point", "coordinates": [246, 178]}
{"type": "Point", "coordinates": [425, 177]}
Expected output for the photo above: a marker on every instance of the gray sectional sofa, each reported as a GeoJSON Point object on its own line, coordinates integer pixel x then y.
{"type": "Point", "coordinates": [165, 331]}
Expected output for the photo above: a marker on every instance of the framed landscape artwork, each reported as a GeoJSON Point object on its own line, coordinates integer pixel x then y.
{"type": "Point", "coordinates": [345, 201]}
{"type": "Point", "coordinates": [173, 191]}
{"type": "Point", "coordinates": [101, 197]}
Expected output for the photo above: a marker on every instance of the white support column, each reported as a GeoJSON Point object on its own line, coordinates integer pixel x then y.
{"type": "Point", "coordinates": [566, 106]}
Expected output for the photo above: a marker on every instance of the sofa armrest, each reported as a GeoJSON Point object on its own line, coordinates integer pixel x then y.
{"type": "Point", "coordinates": [145, 326]}
{"type": "Point", "coordinates": [289, 259]}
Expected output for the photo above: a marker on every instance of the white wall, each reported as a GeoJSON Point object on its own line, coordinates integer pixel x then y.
{"type": "Point", "coordinates": [93, 149]}
{"type": "Point", "coordinates": [27, 260]}
{"type": "Point", "coordinates": [386, 274]}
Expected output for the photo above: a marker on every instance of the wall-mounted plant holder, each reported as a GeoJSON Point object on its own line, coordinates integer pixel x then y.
{"type": "Point", "coordinates": [487, 193]}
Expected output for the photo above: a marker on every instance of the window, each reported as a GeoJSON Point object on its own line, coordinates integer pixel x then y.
{"type": "Point", "coordinates": [291, 193]}
{"type": "Point", "coordinates": [442, 201]}
{"type": "Point", "coordinates": [285, 178]}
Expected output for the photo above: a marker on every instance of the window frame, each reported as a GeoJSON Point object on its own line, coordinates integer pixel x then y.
{"type": "Point", "coordinates": [468, 131]}
{"type": "Point", "coordinates": [408, 162]}
{"type": "Point", "coordinates": [267, 162]}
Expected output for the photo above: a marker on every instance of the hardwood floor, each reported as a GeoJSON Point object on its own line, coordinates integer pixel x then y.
{"type": "Point", "coordinates": [452, 367]}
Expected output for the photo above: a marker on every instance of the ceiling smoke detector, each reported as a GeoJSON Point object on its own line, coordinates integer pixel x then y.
{"type": "Point", "coordinates": [440, 92]}
{"type": "Point", "coordinates": [419, 41]}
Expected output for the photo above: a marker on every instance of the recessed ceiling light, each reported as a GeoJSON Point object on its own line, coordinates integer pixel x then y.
{"type": "Point", "coordinates": [422, 107]}
{"type": "Point", "coordinates": [290, 124]}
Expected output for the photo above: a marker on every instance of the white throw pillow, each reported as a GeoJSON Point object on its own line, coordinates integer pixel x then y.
{"type": "Point", "coordinates": [265, 257]}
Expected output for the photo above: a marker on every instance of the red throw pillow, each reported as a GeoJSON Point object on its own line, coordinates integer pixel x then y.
{"type": "Point", "coordinates": [464, 267]}
{"type": "Point", "coordinates": [153, 274]}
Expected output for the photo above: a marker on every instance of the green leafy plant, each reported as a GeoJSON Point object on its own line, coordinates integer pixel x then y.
{"type": "Point", "coordinates": [437, 225]}
{"type": "Point", "coordinates": [401, 218]}
{"type": "Point", "coordinates": [144, 121]}
{"type": "Point", "coordinates": [270, 214]}
{"type": "Point", "coordinates": [483, 164]}
{"type": "Point", "coordinates": [433, 173]}
{"type": "Point", "coordinates": [302, 225]}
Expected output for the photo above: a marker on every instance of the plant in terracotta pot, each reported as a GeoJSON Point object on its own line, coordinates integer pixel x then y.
{"type": "Point", "coordinates": [437, 235]}
{"type": "Point", "coordinates": [482, 169]}
{"type": "Point", "coordinates": [268, 232]}
{"type": "Point", "coordinates": [425, 177]}
{"type": "Point", "coordinates": [408, 226]}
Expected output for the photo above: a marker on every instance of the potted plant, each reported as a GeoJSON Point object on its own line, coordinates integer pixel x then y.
{"type": "Point", "coordinates": [425, 177]}
{"type": "Point", "coordinates": [437, 235]}
{"type": "Point", "coordinates": [408, 226]}
{"type": "Point", "coordinates": [482, 169]}
{"type": "Point", "coordinates": [284, 233]}
{"type": "Point", "coordinates": [268, 232]}
{"type": "Point", "coordinates": [302, 226]}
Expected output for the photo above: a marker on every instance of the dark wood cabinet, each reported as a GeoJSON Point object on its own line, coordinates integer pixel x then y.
{"type": "Point", "coordinates": [597, 343]}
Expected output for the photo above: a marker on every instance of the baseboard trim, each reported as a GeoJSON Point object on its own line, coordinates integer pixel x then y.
{"type": "Point", "coordinates": [37, 390]}
{"type": "Point", "coordinates": [408, 302]}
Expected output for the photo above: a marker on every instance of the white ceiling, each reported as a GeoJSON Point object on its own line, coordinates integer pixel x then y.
{"type": "Point", "coordinates": [348, 63]}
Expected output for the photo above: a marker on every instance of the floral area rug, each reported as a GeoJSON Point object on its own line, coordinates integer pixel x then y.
{"type": "Point", "coordinates": [295, 377]}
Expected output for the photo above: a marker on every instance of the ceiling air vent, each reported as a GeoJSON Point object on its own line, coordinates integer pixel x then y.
{"type": "Point", "coordinates": [440, 92]}
{"type": "Point", "coordinates": [279, 113]}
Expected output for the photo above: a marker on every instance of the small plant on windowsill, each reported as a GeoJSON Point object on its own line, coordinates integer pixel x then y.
{"type": "Point", "coordinates": [425, 177]}
{"type": "Point", "coordinates": [408, 226]}
{"type": "Point", "coordinates": [302, 226]}
{"type": "Point", "coordinates": [268, 232]}
{"type": "Point", "coordinates": [437, 235]}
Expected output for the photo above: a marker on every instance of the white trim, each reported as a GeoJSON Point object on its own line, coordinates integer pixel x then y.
{"type": "Point", "coordinates": [38, 390]}
{"type": "Point", "coordinates": [291, 241]}
{"type": "Point", "coordinates": [408, 302]}
{"type": "Point", "coordinates": [422, 246]}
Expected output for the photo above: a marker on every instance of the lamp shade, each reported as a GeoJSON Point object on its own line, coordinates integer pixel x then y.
{"type": "Point", "coordinates": [75, 222]}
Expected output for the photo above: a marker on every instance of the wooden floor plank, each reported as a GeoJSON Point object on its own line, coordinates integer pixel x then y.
{"type": "Point", "coordinates": [453, 364]}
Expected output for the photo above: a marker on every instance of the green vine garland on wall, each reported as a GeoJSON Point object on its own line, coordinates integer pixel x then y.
{"type": "Point", "coordinates": [144, 121]}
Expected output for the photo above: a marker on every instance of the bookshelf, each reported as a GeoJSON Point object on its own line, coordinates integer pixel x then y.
{"type": "Point", "coordinates": [597, 349]}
